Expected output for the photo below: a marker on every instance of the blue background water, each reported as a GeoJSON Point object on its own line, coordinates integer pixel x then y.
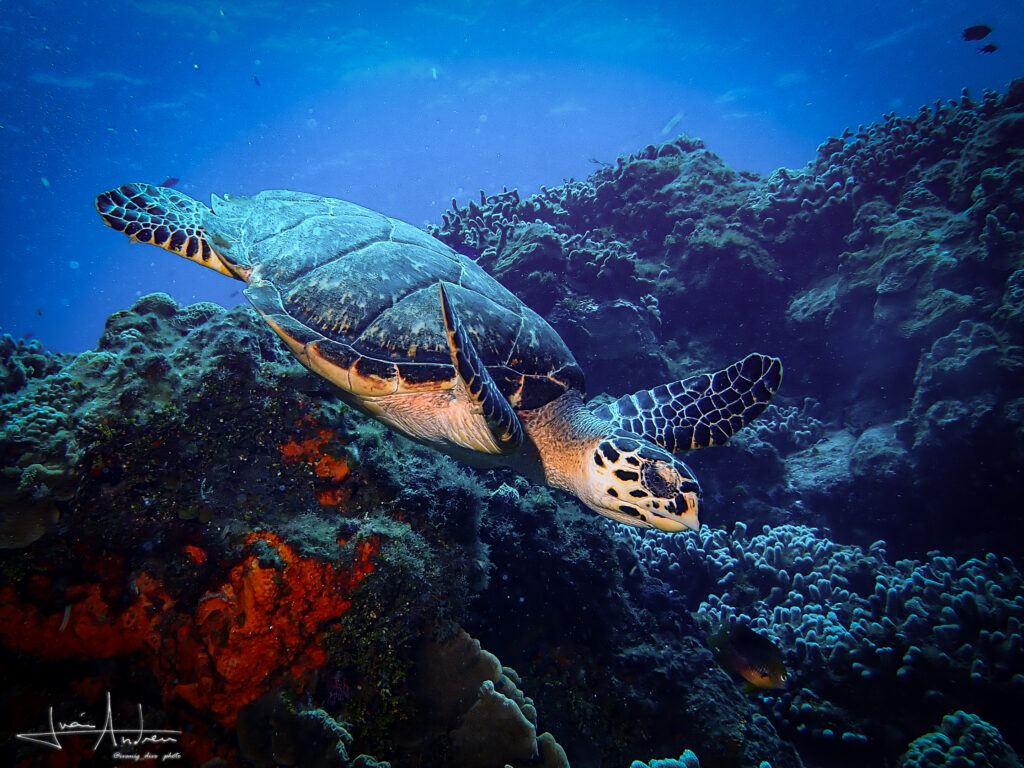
{"type": "Point", "coordinates": [401, 106]}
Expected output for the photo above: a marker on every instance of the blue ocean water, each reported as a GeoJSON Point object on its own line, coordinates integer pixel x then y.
{"type": "Point", "coordinates": [401, 107]}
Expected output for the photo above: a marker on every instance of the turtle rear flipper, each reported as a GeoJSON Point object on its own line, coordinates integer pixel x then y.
{"type": "Point", "coordinates": [701, 411]}
{"type": "Point", "coordinates": [164, 217]}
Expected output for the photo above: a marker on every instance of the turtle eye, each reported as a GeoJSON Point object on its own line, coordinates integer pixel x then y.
{"type": "Point", "coordinates": [661, 479]}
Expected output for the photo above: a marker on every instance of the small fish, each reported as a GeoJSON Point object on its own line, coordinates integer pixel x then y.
{"type": "Point", "coordinates": [977, 32]}
{"type": "Point", "coordinates": [39, 312]}
{"type": "Point", "coordinates": [990, 48]}
{"type": "Point", "coordinates": [752, 656]}
{"type": "Point", "coordinates": [255, 80]}
{"type": "Point", "coordinates": [170, 181]}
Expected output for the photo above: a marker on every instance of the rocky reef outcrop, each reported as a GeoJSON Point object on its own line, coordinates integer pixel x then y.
{"type": "Point", "coordinates": [285, 581]}
{"type": "Point", "coordinates": [886, 274]}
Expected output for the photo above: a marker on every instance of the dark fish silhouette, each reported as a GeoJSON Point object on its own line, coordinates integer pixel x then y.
{"type": "Point", "coordinates": [752, 656]}
{"type": "Point", "coordinates": [255, 80]}
{"type": "Point", "coordinates": [990, 48]}
{"type": "Point", "coordinates": [170, 181]}
{"type": "Point", "coordinates": [977, 32]}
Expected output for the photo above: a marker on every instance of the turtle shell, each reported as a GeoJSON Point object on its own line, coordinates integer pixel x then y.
{"type": "Point", "coordinates": [357, 292]}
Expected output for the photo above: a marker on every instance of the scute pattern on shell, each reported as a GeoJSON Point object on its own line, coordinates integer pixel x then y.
{"type": "Point", "coordinates": [366, 287]}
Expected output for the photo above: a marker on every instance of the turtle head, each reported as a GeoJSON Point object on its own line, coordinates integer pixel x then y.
{"type": "Point", "coordinates": [639, 483]}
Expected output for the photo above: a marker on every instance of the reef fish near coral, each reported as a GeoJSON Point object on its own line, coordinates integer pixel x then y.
{"type": "Point", "coordinates": [421, 338]}
{"type": "Point", "coordinates": [751, 655]}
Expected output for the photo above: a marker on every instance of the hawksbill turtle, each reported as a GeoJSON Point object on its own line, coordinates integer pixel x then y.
{"type": "Point", "coordinates": [423, 339]}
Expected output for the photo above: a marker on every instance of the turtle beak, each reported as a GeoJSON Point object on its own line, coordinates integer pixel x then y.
{"type": "Point", "coordinates": [688, 500]}
{"type": "Point", "coordinates": [685, 520]}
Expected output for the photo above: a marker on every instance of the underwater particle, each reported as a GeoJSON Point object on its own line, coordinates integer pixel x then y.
{"type": "Point", "coordinates": [671, 124]}
{"type": "Point", "coordinates": [73, 264]}
{"type": "Point", "coordinates": [433, 72]}
{"type": "Point", "coordinates": [45, 181]}
{"type": "Point", "coordinates": [752, 656]}
{"type": "Point", "coordinates": [977, 32]}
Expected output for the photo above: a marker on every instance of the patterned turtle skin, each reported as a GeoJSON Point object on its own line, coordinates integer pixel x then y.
{"type": "Point", "coordinates": [423, 339]}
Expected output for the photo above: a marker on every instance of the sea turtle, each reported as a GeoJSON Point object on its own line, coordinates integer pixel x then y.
{"type": "Point", "coordinates": [423, 339]}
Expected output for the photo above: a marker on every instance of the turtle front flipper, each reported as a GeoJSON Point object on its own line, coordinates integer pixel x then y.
{"type": "Point", "coordinates": [164, 217]}
{"type": "Point", "coordinates": [477, 385]}
{"type": "Point", "coordinates": [701, 411]}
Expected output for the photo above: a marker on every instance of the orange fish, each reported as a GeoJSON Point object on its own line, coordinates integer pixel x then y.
{"type": "Point", "coordinates": [752, 656]}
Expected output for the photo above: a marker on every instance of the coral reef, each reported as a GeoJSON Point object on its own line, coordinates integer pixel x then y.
{"type": "Point", "coordinates": [190, 519]}
{"type": "Point", "coordinates": [475, 707]}
{"type": "Point", "coordinates": [896, 238]}
{"type": "Point", "coordinates": [559, 584]}
{"type": "Point", "coordinates": [686, 760]}
{"type": "Point", "coordinates": [272, 731]}
{"type": "Point", "coordinates": [865, 640]}
{"type": "Point", "coordinates": [236, 546]}
{"type": "Point", "coordinates": [962, 741]}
